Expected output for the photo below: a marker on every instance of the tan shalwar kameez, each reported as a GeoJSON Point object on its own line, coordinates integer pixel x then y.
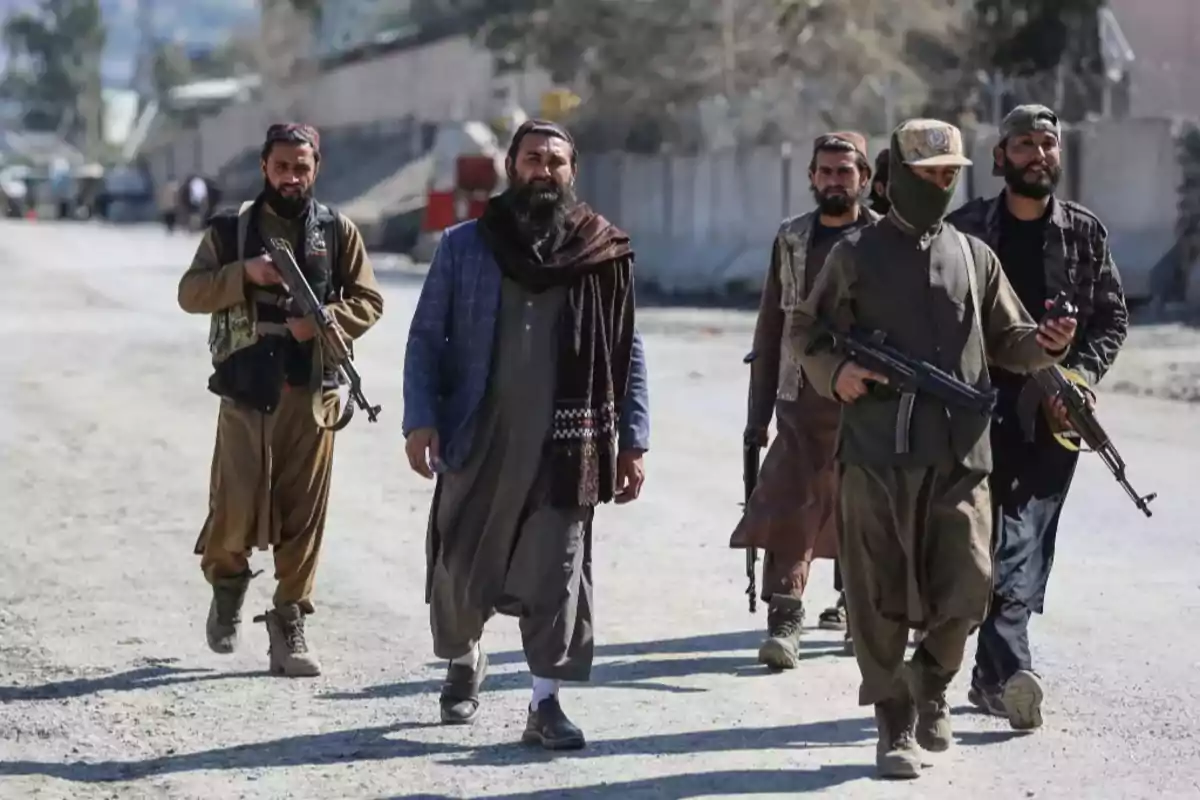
{"type": "Point", "coordinates": [915, 548]}
{"type": "Point", "coordinates": [270, 478]}
{"type": "Point", "coordinates": [501, 546]}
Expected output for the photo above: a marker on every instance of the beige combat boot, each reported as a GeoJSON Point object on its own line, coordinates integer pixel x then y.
{"type": "Point", "coordinates": [288, 649]}
{"type": "Point", "coordinates": [225, 612]}
{"type": "Point", "coordinates": [928, 683]}
{"type": "Point", "coordinates": [785, 625]}
{"type": "Point", "coordinates": [896, 754]}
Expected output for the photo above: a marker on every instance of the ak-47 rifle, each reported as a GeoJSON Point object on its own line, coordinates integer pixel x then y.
{"type": "Point", "coordinates": [750, 466]}
{"type": "Point", "coordinates": [1071, 389]}
{"type": "Point", "coordinates": [333, 345]}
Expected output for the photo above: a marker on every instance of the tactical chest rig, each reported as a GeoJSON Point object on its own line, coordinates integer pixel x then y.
{"type": "Point", "coordinates": [253, 353]}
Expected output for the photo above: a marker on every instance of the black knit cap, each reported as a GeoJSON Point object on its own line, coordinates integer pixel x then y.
{"type": "Point", "coordinates": [542, 127]}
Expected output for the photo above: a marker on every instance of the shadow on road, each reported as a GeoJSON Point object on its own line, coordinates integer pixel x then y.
{"type": "Point", "coordinates": [150, 677]}
{"type": "Point", "coordinates": [733, 783]}
{"type": "Point", "coordinates": [639, 673]}
{"type": "Point", "coordinates": [378, 744]}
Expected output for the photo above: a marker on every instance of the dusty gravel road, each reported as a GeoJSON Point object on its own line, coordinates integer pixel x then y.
{"type": "Point", "coordinates": [108, 690]}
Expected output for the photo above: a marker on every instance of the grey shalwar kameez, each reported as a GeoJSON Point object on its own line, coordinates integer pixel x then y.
{"type": "Point", "coordinates": [503, 546]}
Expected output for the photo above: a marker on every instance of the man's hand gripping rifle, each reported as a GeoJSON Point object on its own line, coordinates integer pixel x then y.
{"type": "Point", "coordinates": [335, 348]}
{"type": "Point", "coordinates": [906, 376]}
{"type": "Point", "coordinates": [1070, 389]}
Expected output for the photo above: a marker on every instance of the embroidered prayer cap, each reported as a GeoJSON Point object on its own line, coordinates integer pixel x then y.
{"type": "Point", "coordinates": [542, 127]}
{"type": "Point", "coordinates": [1028, 119]}
{"type": "Point", "coordinates": [930, 143]}
{"type": "Point", "coordinates": [841, 140]}
{"type": "Point", "coordinates": [293, 133]}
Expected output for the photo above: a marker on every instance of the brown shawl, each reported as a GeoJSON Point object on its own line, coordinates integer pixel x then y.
{"type": "Point", "coordinates": [593, 259]}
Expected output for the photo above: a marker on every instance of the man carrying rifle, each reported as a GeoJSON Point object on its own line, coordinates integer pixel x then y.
{"type": "Point", "coordinates": [1046, 245]}
{"type": "Point", "coordinates": [916, 518]}
{"type": "Point", "coordinates": [792, 513]}
{"type": "Point", "coordinates": [274, 450]}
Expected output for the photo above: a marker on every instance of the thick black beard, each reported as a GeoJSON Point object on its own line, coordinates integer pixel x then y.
{"type": "Point", "coordinates": [833, 205]}
{"type": "Point", "coordinates": [540, 207]}
{"type": "Point", "coordinates": [1038, 189]}
{"type": "Point", "coordinates": [286, 206]}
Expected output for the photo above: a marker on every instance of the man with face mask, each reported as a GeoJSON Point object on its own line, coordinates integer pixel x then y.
{"type": "Point", "coordinates": [792, 514]}
{"type": "Point", "coordinates": [1046, 244]}
{"type": "Point", "coordinates": [274, 452]}
{"type": "Point", "coordinates": [525, 394]}
{"type": "Point", "coordinates": [916, 525]}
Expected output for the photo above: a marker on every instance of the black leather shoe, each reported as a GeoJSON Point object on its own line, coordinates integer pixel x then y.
{"type": "Point", "coordinates": [549, 727]}
{"type": "Point", "coordinates": [460, 692]}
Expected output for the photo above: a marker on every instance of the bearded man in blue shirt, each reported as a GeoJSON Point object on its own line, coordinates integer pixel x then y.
{"type": "Point", "coordinates": [525, 395]}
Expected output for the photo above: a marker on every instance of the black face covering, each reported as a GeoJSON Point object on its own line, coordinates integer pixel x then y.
{"type": "Point", "coordinates": [286, 206]}
{"type": "Point", "coordinates": [915, 200]}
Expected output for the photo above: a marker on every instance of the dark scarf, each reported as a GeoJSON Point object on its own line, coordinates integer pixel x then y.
{"type": "Point", "coordinates": [593, 259]}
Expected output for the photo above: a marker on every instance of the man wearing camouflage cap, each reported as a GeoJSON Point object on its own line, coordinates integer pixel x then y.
{"type": "Point", "coordinates": [1046, 245]}
{"type": "Point", "coordinates": [916, 517]}
{"type": "Point", "coordinates": [792, 513]}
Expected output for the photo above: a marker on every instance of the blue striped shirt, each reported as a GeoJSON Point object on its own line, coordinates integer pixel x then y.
{"type": "Point", "coordinates": [449, 354]}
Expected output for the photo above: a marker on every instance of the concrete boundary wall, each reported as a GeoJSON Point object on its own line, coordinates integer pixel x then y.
{"type": "Point", "coordinates": [705, 224]}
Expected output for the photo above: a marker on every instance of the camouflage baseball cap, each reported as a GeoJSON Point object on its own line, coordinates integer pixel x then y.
{"type": "Point", "coordinates": [1029, 118]}
{"type": "Point", "coordinates": [930, 143]}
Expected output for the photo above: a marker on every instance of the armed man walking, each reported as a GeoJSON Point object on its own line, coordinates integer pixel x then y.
{"type": "Point", "coordinates": [915, 549]}
{"type": "Point", "coordinates": [835, 619]}
{"type": "Point", "coordinates": [273, 458]}
{"type": "Point", "coordinates": [792, 514]}
{"type": "Point", "coordinates": [525, 393]}
{"type": "Point", "coordinates": [1046, 245]}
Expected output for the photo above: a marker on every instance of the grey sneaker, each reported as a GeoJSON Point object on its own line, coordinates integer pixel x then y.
{"type": "Point", "coordinates": [1022, 699]}
{"type": "Point", "coordinates": [785, 625]}
{"type": "Point", "coordinates": [288, 651]}
{"type": "Point", "coordinates": [986, 700]}
{"type": "Point", "coordinates": [225, 612]}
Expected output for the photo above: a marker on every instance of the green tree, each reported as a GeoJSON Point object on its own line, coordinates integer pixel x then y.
{"type": "Point", "coordinates": [649, 70]}
{"type": "Point", "coordinates": [54, 67]}
{"type": "Point", "coordinates": [1029, 36]}
{"type": "Point", "coordinates": [1047, 50]}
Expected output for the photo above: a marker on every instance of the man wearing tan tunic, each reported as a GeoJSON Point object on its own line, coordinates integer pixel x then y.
{"type": "Point", "coordinates": [273, 458]}
{"type": "Point", "coordinates": [792, 514]}
{"type": "Point", "coordinates": [916, 527]}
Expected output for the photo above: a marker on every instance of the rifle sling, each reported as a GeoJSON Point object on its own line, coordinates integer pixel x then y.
{"type": "Point", "coordinates": [316, 382]}
{"type": "Point", "coordinates": [904, 421]}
